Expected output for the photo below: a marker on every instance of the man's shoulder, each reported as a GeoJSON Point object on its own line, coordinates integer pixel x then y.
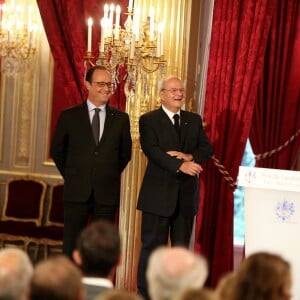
{"type": "Point", "coordinates": [116, 111]}
{"type": "Point", "coordinates": [190, 115]}
{"type": "Point", "coordinates": [74, 108]}
{"type": "Point", "coordinates": [152, 114]}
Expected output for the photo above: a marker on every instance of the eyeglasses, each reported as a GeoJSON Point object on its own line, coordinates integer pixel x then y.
{"type": "Point", "coordinates": [174, 91]}
{"type": "Point", "coordinates": [101, 84]}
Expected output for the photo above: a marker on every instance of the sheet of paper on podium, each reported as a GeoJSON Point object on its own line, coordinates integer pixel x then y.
{"type": "Point", "coordinates": [272, 215]}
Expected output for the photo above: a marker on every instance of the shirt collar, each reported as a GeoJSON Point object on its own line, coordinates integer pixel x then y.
{"type": "Point", "coordinates": [170, 113]}
{"type": "Point", "coordinates": [98, 281]}
{"type": "Point", "coordinates": [92, 106]}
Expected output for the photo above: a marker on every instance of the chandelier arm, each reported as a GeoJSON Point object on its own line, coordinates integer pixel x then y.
{"type": "Point", "coordinates": [150, 70]}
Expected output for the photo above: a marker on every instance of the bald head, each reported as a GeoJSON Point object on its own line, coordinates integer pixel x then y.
{"type": "Point", "coordinates": [170, 270]}
{"type": "Point", "coordinates": [163, 84]}
{"type": "Point", "coordinates": [15, 274]}
{"type": "Point", "coordinates": [177, 260]}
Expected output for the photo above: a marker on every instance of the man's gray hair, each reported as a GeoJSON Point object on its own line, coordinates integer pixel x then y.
{"type": "Point", "coordinates": [162, 82]}
{"type": "Point", "coordinates": [171, 270]}
{"type": "Point", "coordinates": [16, 271]}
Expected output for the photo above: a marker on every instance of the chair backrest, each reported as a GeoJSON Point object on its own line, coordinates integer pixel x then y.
{"type": "Point", "coordinates": [24, 200]}
{"type": "Point", "coordinates": [55, 211]}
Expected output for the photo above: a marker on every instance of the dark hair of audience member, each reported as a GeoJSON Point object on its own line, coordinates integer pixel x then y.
{"type": "Point", "coordinates": [99, 247]}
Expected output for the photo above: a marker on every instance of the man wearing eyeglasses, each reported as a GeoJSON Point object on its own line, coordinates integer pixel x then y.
{"type": "Point", "coordinates": [91, 147]}
{"type": "Point", "coordinates": [175, 144]}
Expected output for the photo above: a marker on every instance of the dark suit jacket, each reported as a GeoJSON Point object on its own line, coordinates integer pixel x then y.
{"type": "Point", "coordinates": [85, 166]}
{"type": "Point", "coordinates": [162, 185]}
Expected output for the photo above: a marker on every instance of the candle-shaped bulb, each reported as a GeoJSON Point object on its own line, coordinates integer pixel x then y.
{"type": "Point", "coordinates": [117, 25]}
{"type": "Point", "coordinates": [103, 31]}
{"type": "Point", "coordinates": [136, 24]}
{"type": "Point", "coordinates": [105, 11]}
{"type": "Point", "coordinates": [132, 47]}
{"type": "Point", "coordinates": [151, 25]}
{"type": "Point", "coordinates": [89, 41]}
{"type": "Point", "coordinates": [160, 39]}
{"type": "Point", "coordinates": [130, 6]}
{"type": "Point", "coordinates": [111, 19]}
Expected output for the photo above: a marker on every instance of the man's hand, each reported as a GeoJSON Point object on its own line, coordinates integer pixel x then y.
{"type": "Point", "coordinates": [191, 168]}
{"type": "Point", "coordinates": [181, 155]}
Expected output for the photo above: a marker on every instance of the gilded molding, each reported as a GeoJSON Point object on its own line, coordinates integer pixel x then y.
{"type": "Point", "coordinates": [2, 107]}
{"type": "Point", "coordinates": [25, 109]}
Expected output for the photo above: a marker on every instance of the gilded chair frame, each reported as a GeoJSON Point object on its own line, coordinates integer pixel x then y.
{"type": "Point", "coordinates": [37, 221]}
{"type": "Point", "coordinates": [48, 221]}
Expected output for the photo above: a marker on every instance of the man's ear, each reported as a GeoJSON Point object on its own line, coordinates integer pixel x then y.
{"type": "Point", "coordinates": [87, 85]}
{"type": "Point", "coordinates": [161, 95]}
{"type": "Point", "coordinates": [77, 258]}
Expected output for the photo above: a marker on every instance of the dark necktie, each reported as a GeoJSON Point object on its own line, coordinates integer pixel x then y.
{"type": "Point", "coordinates": [176, 124]}
{"type": "Point", "coordinates": [96, 125]}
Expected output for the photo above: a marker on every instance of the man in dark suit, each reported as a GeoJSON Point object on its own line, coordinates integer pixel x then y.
{"type": "Point", "coordinates": [175, 148]}
{"type": "Point", "coordinates": [97, 253]}
{"type": "Point", "coordinates": [91, 147]}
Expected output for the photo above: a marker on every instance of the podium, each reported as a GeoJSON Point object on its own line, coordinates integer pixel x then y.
{"type": "Point", "coordinates": [272, 215]}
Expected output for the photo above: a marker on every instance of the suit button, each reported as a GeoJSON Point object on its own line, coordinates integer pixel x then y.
{"type": "Point", "coordinates": [96, 153]}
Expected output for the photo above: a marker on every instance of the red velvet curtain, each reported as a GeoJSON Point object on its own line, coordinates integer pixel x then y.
{"type": "Point", "coordinates": [276, 116]}
{"type": "Point", "coordinates": [65, 23]}
{"type": "Point", "coordinates": [239, 37]}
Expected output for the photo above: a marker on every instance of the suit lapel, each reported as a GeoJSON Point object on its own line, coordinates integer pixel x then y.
{"type": "Point", "coordinates": [86, 123]}
{"type": "Point", "coordinates": [184, 124]}
{"type": "Point", "coordinates": [167, 123]}
{"type": "Point", "coordinates": [110, 113]}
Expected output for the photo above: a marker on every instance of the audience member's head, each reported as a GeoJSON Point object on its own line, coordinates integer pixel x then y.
{"type": "Point", "coordinates": [56, 278]}
{"type": "Point", "coordinates": [98, 249]}
{"type": "Point", "coordinates": [15, 274]}
{"type": "Point", "coordinates": [224, 287]}
{"type": "Point", "coordinates": [196, 294]}
{"type": "Point", "coordinates": [262, 276]}
{"type": "Point", "coordinates": [117, 294]}
{"type": "Point", "coordinates": [171, 270]}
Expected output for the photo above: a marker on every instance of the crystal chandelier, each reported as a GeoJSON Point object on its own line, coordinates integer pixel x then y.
{"type": "Point", "coordinates": [138, 48]}
{"type": "Point", "coordinates": [18, 34]}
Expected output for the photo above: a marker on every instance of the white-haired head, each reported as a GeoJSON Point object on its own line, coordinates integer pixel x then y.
{"type": "Point", "coordinates": [16, 271]}
{"type": "Point", "coordinates": [171, 270]}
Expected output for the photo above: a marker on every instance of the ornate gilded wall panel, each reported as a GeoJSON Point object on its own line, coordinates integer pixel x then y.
{"type": "Point", "coordinates": [2, 107]}
{"type": "Point", "coordinates": [25, 112]}
{"type": "Point", "coordinates": [24, 108]}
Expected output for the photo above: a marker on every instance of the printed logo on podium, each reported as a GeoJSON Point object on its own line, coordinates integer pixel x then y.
{"type": "Point", "coordinates": [285, 210]}
{"type": "Point", "coordinates": [250, 176]}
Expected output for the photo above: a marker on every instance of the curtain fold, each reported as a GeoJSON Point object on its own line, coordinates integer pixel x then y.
{"type": "Point", "coordinates": [239, 37]}
{"type": "Point", "coordinates": [65, 23]}
{"type": "Point", "coordinates": [276, 114]}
